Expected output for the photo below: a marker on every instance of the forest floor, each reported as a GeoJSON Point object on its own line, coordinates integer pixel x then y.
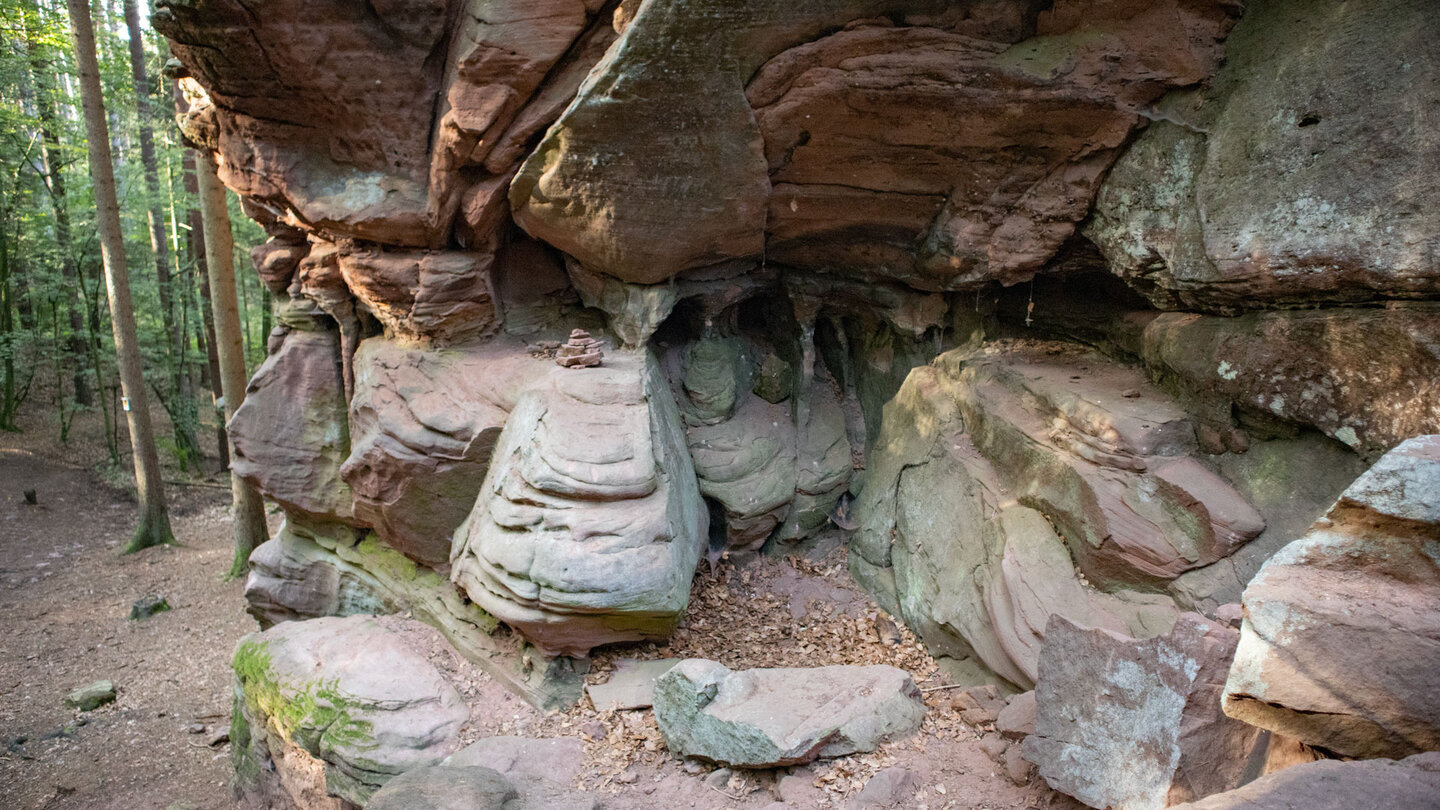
{"type": "Point", "coordinates": [66, 594]}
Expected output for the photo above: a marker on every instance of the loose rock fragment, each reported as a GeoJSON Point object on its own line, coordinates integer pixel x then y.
{"type": "Point", "coordinates": [765, 718]}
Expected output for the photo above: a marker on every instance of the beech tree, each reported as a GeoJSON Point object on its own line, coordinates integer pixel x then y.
{"type": "Point", "coordinates": [154, 527]}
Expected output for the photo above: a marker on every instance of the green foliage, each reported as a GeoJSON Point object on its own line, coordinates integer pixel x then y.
{"type": "Point", "coordinates": [55, 341]}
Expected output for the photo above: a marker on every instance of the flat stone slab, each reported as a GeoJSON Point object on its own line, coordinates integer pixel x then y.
{"type": "Point", "coordinates": [91, 696]}
{"type": "Point", "coordinates": [764, 718]}
{"type": "Point", "coordinates": [631, 685]}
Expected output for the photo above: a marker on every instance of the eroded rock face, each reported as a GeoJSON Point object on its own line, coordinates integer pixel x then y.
{"type": "Point", "coordinates": [447, 296]}
{"type": "Point", "coordinates": [1129, 724]}
{"type": "Point", "coordinates": [765, 718]}
{"type": "Point", "coordinates": [290, 435]}
{"type": "Point", "coordinates": [819, 124]}
{"type": "Point", "coordinates": [1341, 638]}
{"type": "Point", "coordinates": [423, 423]}
{"type": "Point", "coordinates": [297, 89]}
{"type": "Point", "coordinates": [1366, 377]}
{"type": "Point", "coordinates": [589, 525]}
{"type": "Point", "coordinates": [1006, 487]}
{"type": "Point", "coordinates": [1303, 197]}
{"type": "Point", "coordinates": [908, 151]}
{"type": "Point", "coordinates": [346, 692]}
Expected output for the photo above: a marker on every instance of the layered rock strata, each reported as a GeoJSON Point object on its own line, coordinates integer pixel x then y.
{"type": "Point", "coordinates": [589, 525]}
{"type": "Point", "coordinates": [1359, 593]}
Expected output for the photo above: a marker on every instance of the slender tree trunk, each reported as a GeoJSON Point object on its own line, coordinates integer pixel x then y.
{"type": "Point", "coordinates": [250, 528]}
{"type": "Point", "coordinates": [154, 525]}
{"type": "Point", "coordinates": [8, 400]}
{"type": "Point", "coordinates": [182, 395]}
{"type": "Point", "coordinates": [55, 180]}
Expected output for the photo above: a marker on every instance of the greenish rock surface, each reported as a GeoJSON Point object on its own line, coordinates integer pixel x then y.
{"type": "Point", "coordinates": [346, 692]}
{"type": "Point", "coordinates": [590, 523]}
{"type": "Point", "coordinates": [148, 606]}
{"type": "Point", "coordinates": [447, 787]}
{"type": "Point", "coordinates": [764, 718]}
{"type": "Point", "coordinates": [309, 570]}
{"type": "Point", "coordinates": [1276, 186]}
{"type": "Point", "coordinates": [91, 696]}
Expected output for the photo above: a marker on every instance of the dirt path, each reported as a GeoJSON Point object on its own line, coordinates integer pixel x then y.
{"type": "Point", "coordinates": [66, 595]}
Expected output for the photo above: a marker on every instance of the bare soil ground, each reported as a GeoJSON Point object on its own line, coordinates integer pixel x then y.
{"type": "Point", "coordinates": [66, 595]}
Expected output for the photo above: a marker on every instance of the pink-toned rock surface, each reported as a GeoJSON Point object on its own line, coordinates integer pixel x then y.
{"type": "Point", "coordinates": [857, 134]}
{"type": "Point", "coordinates": [1341, 639]}
{"type": "Point", "coordinates": [1366, 377]}
{"type": "Point", "coordinates": [1413, 782]}
{"type": "Point", "coordinates": [447, 296]}
{"type": "Point", "coordinates": [910, 153]}
{"type": "Point", "coordinates": [423, 423]}
{"type": "Point", "coordinates": [1128, 724]}
{"type": "Point", "coordinates": [290, 435]}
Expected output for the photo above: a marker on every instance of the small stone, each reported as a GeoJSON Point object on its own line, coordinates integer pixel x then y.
{"type": "Point", "coordinates": [1231, 615]}
{"type": "Point", "coordinates": [977, 717]}
{"type": "Point", "coordinates": [580, 351]}
{"type": "Point", "coordinates": [763, 718]}
{"type": "Point", "coordinates": [626, 777]}
{"type": "Point", "coordinates": [886, 632]}
{"type": "Point", "coordinates": [1130, 393]}
{"type": "Point", "coordinates": [795, 788]}
{"type": "Point", "coordinates": [994, 746]}
{"type": "Point", "coordinates": [196, 728]}
{"type": "Point", "coordinates": [890, 787]}
{"type": "Point", "coordinates": [1017, 720]}
{"type": "Point", "coordinates": [719, 778]}
{"type": "Point", "coordinates": [692, 767]}
{"type": "Point", "coordinates": [218, 738]}
{"type": "Point", "coordinates": [594, 729]}
{"type": "Point", "coordinates": [91, 696]}
{"type": "Point", "coordinates": [148, 606]}
{"type": "Point", "coordinates": [1017, 768]}
{"type": "Point", "coordinates": [631, 684]}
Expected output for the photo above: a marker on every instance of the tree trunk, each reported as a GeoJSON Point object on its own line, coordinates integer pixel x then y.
{"type": "Point", "coordinates": [182, 395]}
{"type": "Point", "coordinates": [154, 527]}
{"type": "Point", "coordinates": [250, 528]}
{"type": "Point", "coordinates": [75, 347]}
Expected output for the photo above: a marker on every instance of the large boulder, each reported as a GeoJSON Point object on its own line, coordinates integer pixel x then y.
{"type": "Point", "coordinates": [290, 434]}
{"type": "Point", "coordinates": [1275, 186]}
{"type": "Point", "coordinates": [765, 718]}
{"type": "Point", "coordinates": [1341, 638]}
{"type": "Point", "coordinates": [345, 692]}
{"type": "Point", "coordinates": [423, 423]}
{"type": "Point", "coordinates": [1123, 724]}
{"type": "Point", "coordinates": [1007, 485]}
{"type": "Point", "coordinates": [589, 524]}
{"type": "Point", "coordinates": [1375, 784]}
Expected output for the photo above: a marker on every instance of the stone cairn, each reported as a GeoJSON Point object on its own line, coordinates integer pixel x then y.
{"type": "Point", "coordinates": [580, 351]}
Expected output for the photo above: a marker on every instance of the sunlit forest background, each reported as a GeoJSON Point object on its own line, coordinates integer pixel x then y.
{"type": "Point", "coordinates": [57, 354]}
